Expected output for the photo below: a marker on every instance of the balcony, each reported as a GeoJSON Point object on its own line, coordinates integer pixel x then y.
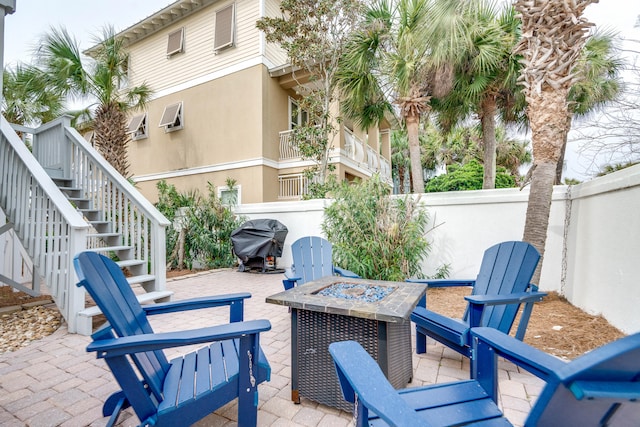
{"type": "Point", "coordinates": [366, 158]}
{"type": "Point", "coordinates": [292, 187]}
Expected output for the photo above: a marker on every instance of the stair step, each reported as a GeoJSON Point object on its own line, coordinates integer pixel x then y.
{"type": "Point", "coordinates": [110, 248]}
{"type": "Point", "coordinates": [88, 210]}
{"type": "Point", "coordinates": [104, 235]}
{"type": "Point", "coordinates": [63, 188]}
{"type": "Point", "coordinates": [99, 222]}
{"type": "Point", "coordinates": [140, 279]}
{"type": "Point", "coordinates": [130, 263]}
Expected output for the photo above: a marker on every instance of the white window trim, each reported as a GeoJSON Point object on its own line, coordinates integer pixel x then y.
{"type": "Point", "coordinates": [141, 128]}
{"type": "Point", "coordinates": [237, 188]}
{"type": "Point", "coordinates": [175, 122]}
{"type": "Point", "coordinates": [180, 48]}
{"type": "Point", "coordinates": [232, 39]}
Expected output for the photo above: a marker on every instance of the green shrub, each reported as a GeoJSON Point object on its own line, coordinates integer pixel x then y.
{"type": "Point", "coordinates": [374, 235]}
{"type": "Point", "coordinates": [203, 234]}
{"type": "Point", "coordinates": [467, 177]}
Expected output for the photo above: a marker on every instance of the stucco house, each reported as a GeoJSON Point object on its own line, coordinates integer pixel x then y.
{"type": "Point", "coordinates": [224, 104]}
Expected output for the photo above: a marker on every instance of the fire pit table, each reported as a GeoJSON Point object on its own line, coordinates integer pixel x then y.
{"type": "Point", "coordinates": [374, 313]}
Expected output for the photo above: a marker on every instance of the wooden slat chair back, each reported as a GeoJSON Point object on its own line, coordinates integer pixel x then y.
{"type": "Point", "coordinates": [600, 388]}
{"type": "Point", "coordinates": [499, 290]}
{"type": "Point", "coordinates": [185, 389]}
{"type": "Point", "coordinates": [506, 269]}
{"type": "Point", "coordinates": [312, 259]}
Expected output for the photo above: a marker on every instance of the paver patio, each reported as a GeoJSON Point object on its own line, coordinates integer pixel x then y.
{"type": "Point", "coordinates": [55, 382]}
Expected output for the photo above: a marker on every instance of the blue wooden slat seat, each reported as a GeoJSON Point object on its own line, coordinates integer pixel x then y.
{"type": "Point", "coordinates": [501, 287]}
{"type": "Point", "coordinates": [312, 259]}
{"type": "Point", "coordinates": [600, 388]}
{"type": "Point", "coordinates": [187, 388]}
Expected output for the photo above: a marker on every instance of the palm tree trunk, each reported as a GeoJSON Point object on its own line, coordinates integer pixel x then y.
{"type": "Point", "coordinates": [547, 116]}
{"type": "Point", "coordinates": [560, 166]}
{"type": "Point", "coordinates": [413, 128]}
{"type": "Point", "coordinates": [488, 123]}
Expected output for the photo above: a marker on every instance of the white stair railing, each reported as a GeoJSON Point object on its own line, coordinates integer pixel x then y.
{"type": "Point", "coordinates": [50, 230]}
{"type": "Point", "coordinates": [141, 225]}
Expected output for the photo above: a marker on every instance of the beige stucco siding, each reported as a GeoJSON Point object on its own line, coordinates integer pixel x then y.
{"type": "Point", "coordinates": [255, 184]}
{"type": "Point", "coordinates": [222, 124]}
{"type": "Point", "coordinates": [150, 64]}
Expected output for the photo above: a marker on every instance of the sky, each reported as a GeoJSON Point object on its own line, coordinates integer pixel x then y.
{"type": "Point", "coordinates": [85, 19]}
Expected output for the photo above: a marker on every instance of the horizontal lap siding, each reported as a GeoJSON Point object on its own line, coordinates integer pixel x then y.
{"type": "Point", "coordinates": [273, 52]}
{"type": "Point", "coordinates": [149, 62]}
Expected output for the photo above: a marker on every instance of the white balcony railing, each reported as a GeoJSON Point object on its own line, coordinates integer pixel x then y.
{"type": "Point", "coordinates": [288, 150]}
{"type": "Point", "coordinates": [292, 187]}
{"type": "Point", "coordinates": [365, 156]}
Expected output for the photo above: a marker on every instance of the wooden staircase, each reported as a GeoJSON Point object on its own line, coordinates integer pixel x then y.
{"type": "Point", "coordinates": [64, 198]}
{"type": "Point", "coordinates": [107, 242]}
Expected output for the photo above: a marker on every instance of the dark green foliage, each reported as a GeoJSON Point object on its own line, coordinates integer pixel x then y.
{"type": "Point", "coordinates": [467, 177]}
{"type": "Point", "coordinates": [374, 235]}
{"type": "Point", "coordinates": [203, 233]}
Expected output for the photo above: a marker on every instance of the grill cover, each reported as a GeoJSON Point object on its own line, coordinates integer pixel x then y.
{"type": "Point", "coordinates": [259, 238]}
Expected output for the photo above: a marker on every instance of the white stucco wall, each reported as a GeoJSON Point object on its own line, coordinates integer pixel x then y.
{"type": "Point", "coordinates": [601, 251]}
{"type": "Point", "coordinates": [603, 262]}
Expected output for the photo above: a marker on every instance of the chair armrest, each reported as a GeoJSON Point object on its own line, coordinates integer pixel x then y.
{"type": "Point", "coordinates": [234, 301]}
{"type": "Point", "coordinates": [290, 275]}
{"type": "Point", "coordinates": [478, 302]}
{"type": "Point", "coordinates": [515, 298]}
{"type": "Point", "coordinates": [360, 376]}
{"type": "Point", "coordinates": [529, 358]}
{"type": "Point", "coordinates": [345, 273]}
{"type": "Point", "coordinates": [443, 283]}
{"type": "Point", "coordinates": [113, 347]}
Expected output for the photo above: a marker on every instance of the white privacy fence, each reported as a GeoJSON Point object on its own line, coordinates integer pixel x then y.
{"type": "Point", "coordinates": [592, 255]}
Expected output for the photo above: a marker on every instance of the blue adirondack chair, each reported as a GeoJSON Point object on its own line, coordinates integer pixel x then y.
{"type": "Point", "coordinates": [312, 260]}
{"type": "Point", "coordinates": [501, 287]}
{"type": "Point", "coordinates": [601, 388]}
{"type": "Point", "coordinates": [186, 389]}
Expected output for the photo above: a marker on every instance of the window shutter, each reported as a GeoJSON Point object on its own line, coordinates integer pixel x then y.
{"type": "Point", "coordinates": [170, 114]}
{"type": "Point", "coordinates": [225, 27]}
{"type": "Point", "coordinates": [135, 122]}
{"type": "Point", "coordinates": [175, 42]}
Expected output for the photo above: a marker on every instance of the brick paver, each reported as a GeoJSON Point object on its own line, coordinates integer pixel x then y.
{"type": "Point", "coordinates": [56, 382]}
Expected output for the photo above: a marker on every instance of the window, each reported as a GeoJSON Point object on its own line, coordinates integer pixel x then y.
{"type": "Point", "coordinates": [172, 117]}
{"type": "Point", "coordinates": [225, 27]}
{"type": "Point", "coordinates": [138, 126]}
{"type": "Point", "coordinates": [297, 116]}
{"type": "Point", "coordinates": [175, 43]}
{"type": "Point", "coordinates": [229, 196]}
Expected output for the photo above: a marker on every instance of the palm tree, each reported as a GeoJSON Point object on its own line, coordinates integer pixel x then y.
{"type": "Point", "coordinates": [553, 35]}
{"type": "Point", "coordinates": [485, 80]}
{"type": "Point", "coordinates": [25, 100]}
{"type": "Point", "coordinates": [103, 79]}
{"type": "Point", "coordinates": [403, 53]}
{"type": "Point", "coordinates": [599, 83]}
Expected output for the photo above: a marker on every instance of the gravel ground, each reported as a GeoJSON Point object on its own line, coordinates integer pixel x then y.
{"type": "Point", "coordinates": [22, 327]}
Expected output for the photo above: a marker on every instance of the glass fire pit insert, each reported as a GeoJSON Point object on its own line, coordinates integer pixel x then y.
{"type": "Point", "coordinates": [333, 309]}
{"type": "Point", "coordinates": [364, 292]}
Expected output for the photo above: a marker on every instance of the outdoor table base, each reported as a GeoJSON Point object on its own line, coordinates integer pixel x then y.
{"type": "Point", "coordinates": [313, 373]}
{"type": "Point", "coordinates": [382, 327]}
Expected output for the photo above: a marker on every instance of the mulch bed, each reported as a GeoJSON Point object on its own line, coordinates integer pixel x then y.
{"type": "Point", "coordinates": [555, 327]}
